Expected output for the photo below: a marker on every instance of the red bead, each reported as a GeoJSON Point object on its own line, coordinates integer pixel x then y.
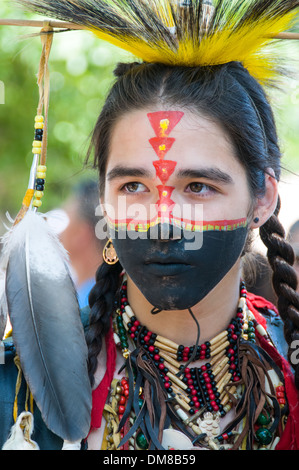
{"type": "Point", "coordinates": [203, 347]}
{"type": "Point", "coordinates": [126, 392]}
{"type": "Point", "coordinates": [234, 337]}
{"type": "Point", "coordinates": [280, 394]}
{"type": "Point", "coordinates": [193, 392]}
{"type": "Point", "coordinates": [280, 388]}
{"type": "Point", "coordinates": [151, 348]}
{"type": "Point", "coordinates": [209, 386]}
{"type": "Point", "coordinates": [166, 378]}
{"type": "Point", "coordinates": [189, 381]}
{"type": "Point", "coordinates": [121, 409]}
{"type": "Point", "coordinates": [132, 335]}
{"type": "Point", "coordinates": [167, 385]}
{"type": "Point", "coordinates": [236, 379]}
{"type": "Point", "coordinates": [136, 323]}
{"type": "Point", "coordinates": [231, 326]}
{"type": "Point", "coordinates": [146, 339]}
{"type": "Point", "coordinates": [231, 351]}
{"type": "Point", "coordinates": [197, 404]}
{"type": "Point", "coordinates": [161, 366]}
{"type": "Point", "coordinates": [225, 436]}
{"type": "Point", "coordinates": [149, 333]}
{"type": "Point", "coordinates": [186, 350]}
{"type": "Point", "coordinates": [122, 400]}
{"type": "Point", "coordinates": [156, 357]}
{"type": "Point", "coordinates": [124, 382]}
{"type": "Point", "coordinates": [187, 370]}
{"type": "Point", "coordinates": [133, 329]}
{"type": "Point", "coordinates": [281, 401]}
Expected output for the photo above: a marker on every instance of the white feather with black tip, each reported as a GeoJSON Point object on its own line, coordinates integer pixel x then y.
{"type": "Point", "coordinates": [47, 329]}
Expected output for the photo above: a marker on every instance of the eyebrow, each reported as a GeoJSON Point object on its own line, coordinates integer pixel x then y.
{"type": "Point", "coordinates": [214, 174]}
{"type": "Point", "coordinates": [120, 171]}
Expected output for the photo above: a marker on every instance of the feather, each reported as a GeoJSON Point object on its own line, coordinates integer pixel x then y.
{"type": "Point", "coordinates": [47, 329]}
{"type": "Point", "coordinates": [3, 305]}
{"type": "Point", "coordinates": [196, 34]}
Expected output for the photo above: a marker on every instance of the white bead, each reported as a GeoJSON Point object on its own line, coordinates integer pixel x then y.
{"type": "Point", "coordinates": [129, 311]}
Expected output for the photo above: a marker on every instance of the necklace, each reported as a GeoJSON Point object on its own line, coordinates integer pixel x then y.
{"type": "Point", "coordinates": [207, 390]}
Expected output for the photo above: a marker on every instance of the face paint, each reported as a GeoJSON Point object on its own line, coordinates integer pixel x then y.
{"type": "Point", "coordinates": [163, 123]}
{"type": "Point", "coordinates": [174, 278]}
{"type": "Point", "coordinates": [170, 275]}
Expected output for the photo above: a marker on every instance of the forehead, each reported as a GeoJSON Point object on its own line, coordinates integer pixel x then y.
{"type": "Point", "coordinates": [196, 140]}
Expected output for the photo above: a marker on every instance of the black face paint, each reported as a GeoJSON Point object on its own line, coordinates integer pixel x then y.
{"type": "Point", "coordinates": [169, 272]}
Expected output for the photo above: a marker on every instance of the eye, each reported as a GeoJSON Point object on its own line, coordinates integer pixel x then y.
{"type": "Point", "coordinates": [200, 188]}
{"type": "Point", "coordinates": [134, 187]}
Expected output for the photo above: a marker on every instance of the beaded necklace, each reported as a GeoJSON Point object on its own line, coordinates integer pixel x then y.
{"type": "Point", "coordinates": [195, 391]}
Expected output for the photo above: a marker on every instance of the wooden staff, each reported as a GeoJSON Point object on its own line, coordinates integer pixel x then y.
{"type": "Point", "coordinates": [68, 26]}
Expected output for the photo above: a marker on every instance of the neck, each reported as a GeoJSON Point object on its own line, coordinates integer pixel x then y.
{"type": "Point", "coordinates": [213, 313]}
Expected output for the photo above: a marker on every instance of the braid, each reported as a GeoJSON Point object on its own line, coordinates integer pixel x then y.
{"type": "Point", "coordinates": [101, 302]}
{"type": "Point", "coordinates": [281, 258]}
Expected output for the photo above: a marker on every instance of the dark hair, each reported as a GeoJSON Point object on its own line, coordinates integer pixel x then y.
{"type": "Point", "coordinates": [230, 96]}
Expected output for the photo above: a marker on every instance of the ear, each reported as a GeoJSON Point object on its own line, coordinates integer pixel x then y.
{"type": "Point", "coordinates": [266, 205]}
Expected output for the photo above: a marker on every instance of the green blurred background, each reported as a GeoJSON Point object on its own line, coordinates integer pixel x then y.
{"type": "Point", "coordinates": [81, 72]}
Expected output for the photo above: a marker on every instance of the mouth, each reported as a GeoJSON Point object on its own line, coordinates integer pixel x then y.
{"type": "Point", "coordinates": [166, 266]}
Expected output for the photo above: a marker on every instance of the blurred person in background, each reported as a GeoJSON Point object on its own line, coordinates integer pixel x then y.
{"type": "Point", "coordinates": [79, 237]}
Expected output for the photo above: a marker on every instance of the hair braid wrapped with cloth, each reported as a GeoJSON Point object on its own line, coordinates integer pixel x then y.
{"type": "Point", "coordinates": [214, 59]}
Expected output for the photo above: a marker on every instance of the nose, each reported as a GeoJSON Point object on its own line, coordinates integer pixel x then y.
{"type": "Point", "coordinates": [166, 232]}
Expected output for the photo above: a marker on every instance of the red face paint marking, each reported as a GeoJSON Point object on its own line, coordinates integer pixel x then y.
{"type": "Point", "coordinates": [164, 169]}
{"type": "Point", "coordinates": [159, 122]}
{"type": "Point", "coordinates": [163, 122]}
{"type": "Point", "coordinates": [161, 145]}
{"type": "Point", "coordinates": [165, 204]}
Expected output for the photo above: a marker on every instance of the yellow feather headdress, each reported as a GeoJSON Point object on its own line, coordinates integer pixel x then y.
{"type": "Point", "coordinates": [183, 32]}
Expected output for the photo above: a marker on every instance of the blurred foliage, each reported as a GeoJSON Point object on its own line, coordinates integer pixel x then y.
{"type": "Point", "coordinates": [81, 73]}
{"type": "Point", "coordinates": [81, 69]}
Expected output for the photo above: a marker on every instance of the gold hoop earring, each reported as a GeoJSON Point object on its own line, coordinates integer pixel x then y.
{"type": "Point", "coordinates": [109, 253]}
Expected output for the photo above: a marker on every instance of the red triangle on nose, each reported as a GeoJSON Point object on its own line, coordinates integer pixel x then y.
{"type": "Point", "coordinates": [164, 169]}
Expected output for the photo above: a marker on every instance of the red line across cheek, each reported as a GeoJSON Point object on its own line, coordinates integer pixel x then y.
{"type": "Point", "coordinates": [163, 122]}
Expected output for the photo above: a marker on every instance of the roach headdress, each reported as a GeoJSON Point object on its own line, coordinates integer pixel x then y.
{"type": "Point", "coordinates": [183, 33]}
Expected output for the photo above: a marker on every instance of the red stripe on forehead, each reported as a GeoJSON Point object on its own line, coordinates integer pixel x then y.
{"type": "Point", "coordinates": [163, 122]}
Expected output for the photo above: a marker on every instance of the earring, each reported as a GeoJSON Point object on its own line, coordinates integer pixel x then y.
{"type": "Point", "coordinates": [109, 253]}
{"type": "Point", "coordinates": [256, 220]}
